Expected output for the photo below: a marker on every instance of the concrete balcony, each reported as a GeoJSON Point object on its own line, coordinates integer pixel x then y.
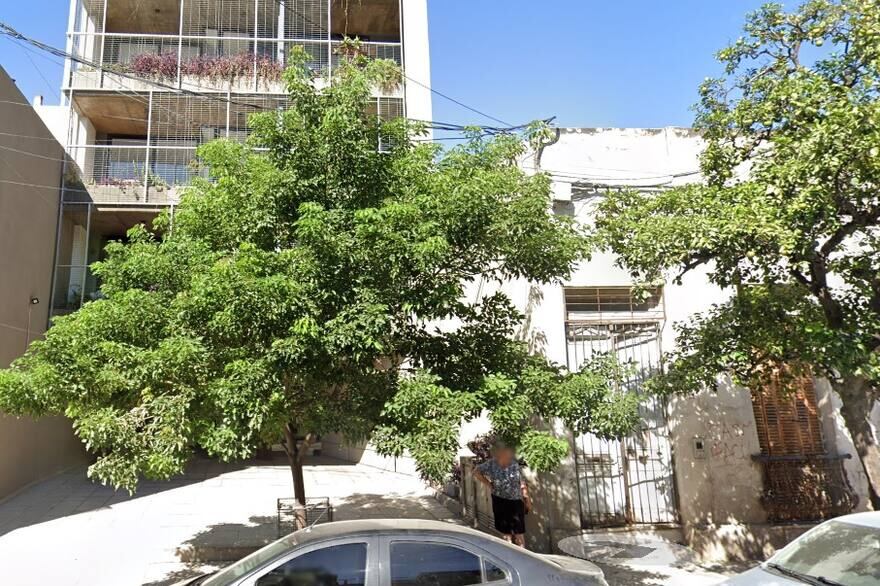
{"type": "Point", "coordinates": [129, 174]}
{"type": "Point", "coordinates": [140, 63]}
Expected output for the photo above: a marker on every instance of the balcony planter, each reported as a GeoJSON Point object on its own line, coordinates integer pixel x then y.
{"type": "Point", "coordinates": [116, 190]}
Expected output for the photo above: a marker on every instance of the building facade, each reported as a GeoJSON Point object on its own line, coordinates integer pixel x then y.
{"type": "Point", "coordinates": [733, 473]}
{"type": "Point", "coordinates": [30, 174]}
{"type": "Point", "coordinates": [153, 80]}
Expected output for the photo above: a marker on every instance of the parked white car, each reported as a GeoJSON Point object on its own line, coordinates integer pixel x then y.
{"type": "Point", "coordinates": [841, 552]}
{"type": "Point", "coordinates": [399, 553]}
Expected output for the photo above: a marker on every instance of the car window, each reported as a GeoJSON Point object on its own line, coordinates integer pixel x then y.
{"type": "Point", "coordinates": [845, 553]}
{"type": "Point", "coordinates": [433, 564]}
{"type": "Point", "coordinates": [337, 565]}
{"type": "Point", "coordinates": [493, 572]}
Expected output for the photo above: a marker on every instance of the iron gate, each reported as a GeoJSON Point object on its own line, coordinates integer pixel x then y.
{"type": "Point", "coordinates": [626, 481]}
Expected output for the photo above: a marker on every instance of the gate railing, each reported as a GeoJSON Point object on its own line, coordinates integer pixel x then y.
{"type": "Point", "coordinates": [630, 480]}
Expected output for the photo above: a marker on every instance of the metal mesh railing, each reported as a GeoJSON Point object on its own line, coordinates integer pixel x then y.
{"type": "Point", "coordinates": [200, 63]}
{"type": "Point", "coordinates": [231, 18]}
{"type": "Point", "coordinates": [106, 173]}
{"type": "Point", "coordinates": [129, 173]}
{"type": "Point", "coordinates": [391, 51]}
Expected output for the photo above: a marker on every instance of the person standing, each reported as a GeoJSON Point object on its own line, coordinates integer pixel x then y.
{"type": "Point", "coordinates": [510, 495]}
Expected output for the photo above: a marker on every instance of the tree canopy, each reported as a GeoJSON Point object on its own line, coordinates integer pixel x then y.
{"type": "Point", "coordinates": [787, 213]}
{"type": "Point", "coordinates": [303, 289]}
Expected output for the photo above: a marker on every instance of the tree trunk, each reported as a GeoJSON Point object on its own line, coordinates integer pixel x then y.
{"type": "Point", "coordinates": [295, 456]}
{"type": "Point", "coordinates": [858, 399]}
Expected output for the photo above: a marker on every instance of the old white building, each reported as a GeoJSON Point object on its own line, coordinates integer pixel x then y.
{"type": "Point", "coordinates": [732, 473]}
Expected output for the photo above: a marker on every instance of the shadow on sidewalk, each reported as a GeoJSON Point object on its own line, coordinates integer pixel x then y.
{"type": "Point", "coordinates": [225, 543]}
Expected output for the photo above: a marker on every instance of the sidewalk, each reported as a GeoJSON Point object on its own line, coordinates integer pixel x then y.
{"type": "Point", "coordinates": [631, 560]}
{"type": "Point", "coordinates": [68, 530]}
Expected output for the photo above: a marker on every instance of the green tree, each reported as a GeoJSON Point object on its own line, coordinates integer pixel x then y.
{"type": "Point", "coordinates": [787, 214]}
{"type": "Point", "coordinates": [302, 290]}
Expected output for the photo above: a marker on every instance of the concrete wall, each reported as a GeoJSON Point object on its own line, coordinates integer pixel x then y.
{"type": "Point", "coordinates": [29, 450]}
{"type": "Point", "coordinates": [56, 118]}
{"type": "Point", "coordinates": [719, 488]}
{"type": "Point", "coordinates": [335, 446]}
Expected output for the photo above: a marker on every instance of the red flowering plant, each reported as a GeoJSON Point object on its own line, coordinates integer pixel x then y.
{"type": "Point", "coordinates": [162, 66]}
{"type": "Point", "coordinates": [215, 67]}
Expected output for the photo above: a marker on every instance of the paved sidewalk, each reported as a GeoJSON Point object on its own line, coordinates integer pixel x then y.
{"type": "Point", "coordinates": [70, 531]}
{"type": "Point", "coordinates": [634, 560]}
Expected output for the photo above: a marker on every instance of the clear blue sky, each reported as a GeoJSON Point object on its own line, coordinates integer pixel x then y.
{"type": "Point", "coordinates": [588, 62]}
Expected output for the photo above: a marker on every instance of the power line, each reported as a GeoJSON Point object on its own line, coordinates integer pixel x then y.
{"type": "Point", "coordinates": [454, 101]}
{"type": "Point", "coordinates": [11, 32]}
{"type": "Point", "coordinates": [29, 136]}
{"type": "Point", "coordinates": [37, 155]}
{"type": "Point", "coordinates": [39, 71]}
{"type": "Point", "coordinates": [583, 176]}
{"type": "Point", "coordinates": [408, 78]}
{"type": "Point", "coordinates": [14, 34]}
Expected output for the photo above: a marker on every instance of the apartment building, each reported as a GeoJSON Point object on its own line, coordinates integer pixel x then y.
{"type": "Point", "coordinates": [154, 79]}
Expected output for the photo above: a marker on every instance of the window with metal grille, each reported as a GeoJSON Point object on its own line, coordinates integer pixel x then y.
{"type": "Point", "coordinates": [802, 481]}
{"type": "Point", "coordinates": [613, 304]}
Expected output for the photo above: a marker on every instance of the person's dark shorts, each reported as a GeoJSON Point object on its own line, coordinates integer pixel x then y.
{"type": "Point", "coordinates": [510, 515]}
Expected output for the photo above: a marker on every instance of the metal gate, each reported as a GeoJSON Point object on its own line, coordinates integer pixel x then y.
{"type": "Point", "coordinates": [626, 481]}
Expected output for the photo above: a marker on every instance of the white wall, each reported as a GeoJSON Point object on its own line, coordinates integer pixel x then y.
{"type": "Point", "coordinates": [719, 489]}
{"type": "Point", "coordinates": [416, 59]}
{"type": "Point", "coordinates": [56, 119]}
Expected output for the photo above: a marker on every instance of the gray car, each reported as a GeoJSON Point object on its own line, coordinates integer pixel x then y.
{"type": "Point", "coordinates": [841, 552]}
{"type": "Point", "coordinates": [399, 553]}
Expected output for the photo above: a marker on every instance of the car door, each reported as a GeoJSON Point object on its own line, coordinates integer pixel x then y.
{"type": "Point", "coordinates": [412, 560]}
{"type": "Point", "coordinates": [349, 561]}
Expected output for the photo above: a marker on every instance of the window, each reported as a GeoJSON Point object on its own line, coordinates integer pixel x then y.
{"type": "Point", "coordinates": [840, 552]}
{"type": "Point", "coordinates": [338, 565]}
{"type": "Point", "coordinates": [613, 304]}
{"type": "Point", "coordinates": [493, 572]}
{"type": "Point", "coordinates": [802, 482]}
{"type": "Point", "coordinates": [433, 564]}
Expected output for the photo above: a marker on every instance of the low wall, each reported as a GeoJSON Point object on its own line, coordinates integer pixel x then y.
{"type": "Point", "coordinates": [555, 509]}
{"type": "Point", "coordinates": [335, 446]}
{"type": "Point", "coordinates": [33, 450]}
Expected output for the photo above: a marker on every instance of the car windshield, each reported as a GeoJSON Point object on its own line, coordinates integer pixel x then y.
{"type": "Point", "coordinates": [255, 560]}
{"type": "Point", "coordinates": [837, 552]}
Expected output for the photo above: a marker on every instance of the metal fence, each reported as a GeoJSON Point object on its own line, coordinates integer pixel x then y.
{"type": "Point", "coordinates": [129, 173]}
{"type": "Point", "coordinates": [630, 480]}
{"type": "Point", "coordinates": [293, 516]}
{"type": "Point", "coordinates": [202, 63]}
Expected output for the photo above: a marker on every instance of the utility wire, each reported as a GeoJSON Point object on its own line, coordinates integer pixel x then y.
{"type": "Point", "coordinates": [39, 71]}
{"type": "Point", "coordinates": [454, 101]}
{"type": "Point", "coordinates": [408, 78]}
{"type": "Point", "coordinates": [15, 35]}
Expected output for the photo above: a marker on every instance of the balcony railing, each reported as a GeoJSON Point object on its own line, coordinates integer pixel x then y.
{"type": "Point", "coordinates": [129, 174]}
{"type": "Point", "coordinates": [201, 63]}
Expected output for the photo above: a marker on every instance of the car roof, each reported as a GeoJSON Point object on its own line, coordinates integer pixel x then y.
{"type": "Point", "coordinates": [344, 528]}
{"type": "Point", "coordinates": [867, 519]}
